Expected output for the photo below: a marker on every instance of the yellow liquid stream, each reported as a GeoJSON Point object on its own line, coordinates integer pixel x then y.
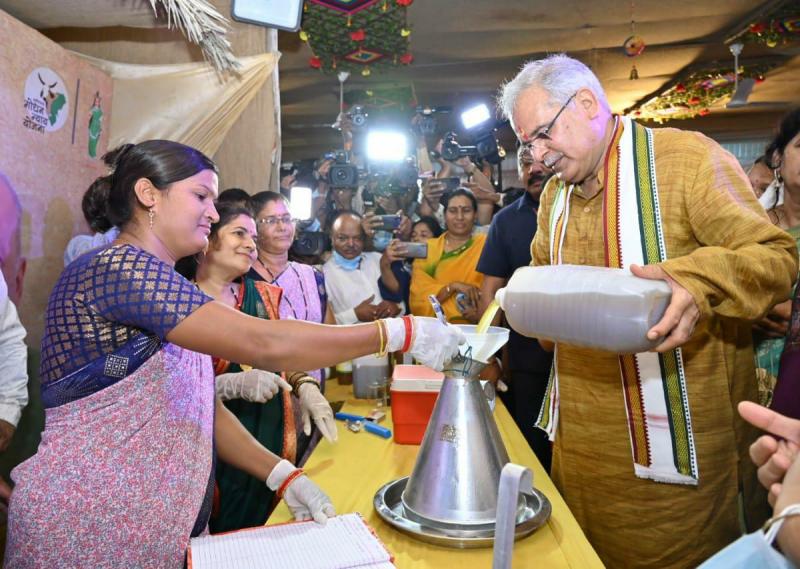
{"type": "Point", "coordinates": [488, 316]}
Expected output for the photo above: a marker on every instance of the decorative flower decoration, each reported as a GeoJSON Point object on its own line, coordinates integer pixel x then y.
{"type": "Point", "coordinates": [407, 58]}
{"type": "Point", "coordinates": [370, 33]}
{"type": "Point", "coordinates": [358, 35]}
{"type": "Point", "coordinates": [366, 72]}
{"type": "Point", "coordinates": [697, 93]}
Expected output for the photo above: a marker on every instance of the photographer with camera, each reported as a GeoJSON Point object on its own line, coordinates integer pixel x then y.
{"type": "Point", "coordinates": [475, 179]}
{"type": "Point", "coordinates": [338, 188]}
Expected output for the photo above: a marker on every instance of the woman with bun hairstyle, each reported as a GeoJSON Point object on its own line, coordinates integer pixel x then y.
{"type": "Point", "coordinates": [124, 472]}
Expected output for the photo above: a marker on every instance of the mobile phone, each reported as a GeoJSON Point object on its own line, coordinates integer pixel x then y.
{"type": "Point", "coordinates": [450, 184]}
{"type": "Point", "coordinates": [389, 222]}
{"type": "Point", "coordinates": [414, 250]}
{"type": "Point", "coordinates": [463, 303]}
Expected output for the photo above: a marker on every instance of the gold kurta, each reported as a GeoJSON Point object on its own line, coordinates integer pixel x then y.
{"type": "Point", "coordinates": [721, 247]}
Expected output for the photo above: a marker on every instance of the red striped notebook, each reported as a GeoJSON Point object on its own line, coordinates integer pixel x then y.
{"type": "Point", "coordinates": [345, 542]}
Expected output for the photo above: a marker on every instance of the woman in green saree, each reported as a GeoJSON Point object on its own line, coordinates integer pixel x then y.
{"type": "Point", "coordinates": [262, 401]}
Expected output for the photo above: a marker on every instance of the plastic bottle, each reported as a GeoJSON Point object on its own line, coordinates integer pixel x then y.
{"type": "Point", "coordinates": [368, 371]}
{"type": "Point", "coordinates": [344, 373]}
{"type": "Point", "coordinates": [593, 307]}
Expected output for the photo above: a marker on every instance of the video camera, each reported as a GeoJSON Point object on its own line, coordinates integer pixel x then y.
{"type": "Point", "coordinates": [310, 243]}
{"type": "Point", "coordinates": [427, 124]}
{"type": "Point", "coordinates": [397, 181]}
{"type": "Point", "coordinates": [342, 173]}
{"type": "Point", "coordinates": [484, 147]}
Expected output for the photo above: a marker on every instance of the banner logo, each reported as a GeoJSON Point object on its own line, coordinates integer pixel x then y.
{"type": "Point", "coordinates": [45, 101]}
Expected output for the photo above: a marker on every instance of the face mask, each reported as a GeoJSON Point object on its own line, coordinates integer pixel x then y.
{"type": "Point", "coordinates": [750, 551]}
{"type": "Point", "coordinates": [346, 264]}
{"type": "Point", "coordinates": [381, 240]}
{"type": "Point", "coordinates": [754, 550]}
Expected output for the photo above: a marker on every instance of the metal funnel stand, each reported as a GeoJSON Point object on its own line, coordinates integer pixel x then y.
{"type": "Point", "coordinates": [455, 480]}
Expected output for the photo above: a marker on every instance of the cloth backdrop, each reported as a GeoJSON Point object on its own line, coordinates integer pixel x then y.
{"type": "Point", "coordinates": [192, 104]}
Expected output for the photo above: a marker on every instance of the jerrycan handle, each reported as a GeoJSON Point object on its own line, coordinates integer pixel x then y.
{"type": "Point", "coordinates": [513, 480]}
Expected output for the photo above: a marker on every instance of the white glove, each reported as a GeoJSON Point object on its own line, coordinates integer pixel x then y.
{"type": "Point", "coordinates": [314, 406]}
{"type": "Point", "coordinates": [304, 498]}
{"type": "Point", "coordinates": [433, 344]}
{"type": "Point", "coordinates": [254, 385]}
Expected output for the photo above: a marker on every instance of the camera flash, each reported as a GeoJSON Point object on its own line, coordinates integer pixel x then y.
{"type": "Point", "coordinates": [300, 203]}
{"type": "Point", "coordinates": [386, 146]}
{"type": "Point", "coordinates": [475, 116]}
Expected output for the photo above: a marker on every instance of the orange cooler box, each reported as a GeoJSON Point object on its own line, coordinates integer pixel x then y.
{"type": "Point", "coordinates": [414, 392]}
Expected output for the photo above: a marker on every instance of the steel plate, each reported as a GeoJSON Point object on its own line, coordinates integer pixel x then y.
{"type": "Point", "coordinates": [389, 506]}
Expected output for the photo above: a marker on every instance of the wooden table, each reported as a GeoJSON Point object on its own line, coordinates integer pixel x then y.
{"type": "Point", "coordinates": [352, 470]}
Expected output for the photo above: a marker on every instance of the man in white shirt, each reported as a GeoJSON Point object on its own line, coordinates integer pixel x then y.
{"type": "Point", "coordinates": [13, 367]}
{"type": "Point", "coordinates": [13, 352]}
{"type": "Point", "coordinates": [351, 275]}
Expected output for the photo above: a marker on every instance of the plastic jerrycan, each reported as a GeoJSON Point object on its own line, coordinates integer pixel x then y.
{"type": "Point", "coordinates": [593, 307]}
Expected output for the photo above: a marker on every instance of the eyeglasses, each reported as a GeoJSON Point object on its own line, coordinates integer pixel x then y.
{"type": "Point", "coordinates": [273, 220]}
{"type": "Point", "coordinates": [544, 134]}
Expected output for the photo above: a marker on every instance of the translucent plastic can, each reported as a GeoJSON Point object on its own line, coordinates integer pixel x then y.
{"type": "Point", "coordinates": [592, 307]}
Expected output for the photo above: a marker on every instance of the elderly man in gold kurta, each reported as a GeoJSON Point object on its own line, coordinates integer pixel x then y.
{"type": "Point", "coordinates": [651, 474]}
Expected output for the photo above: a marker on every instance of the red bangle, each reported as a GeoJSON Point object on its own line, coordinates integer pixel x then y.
{"type": "Point", "coordinates": [289, 479]}
{"type": "Point", "coordinates": [409, 332]}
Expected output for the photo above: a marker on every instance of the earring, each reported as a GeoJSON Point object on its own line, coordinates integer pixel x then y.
{"type": "Point", "coordinates": [151, 214]}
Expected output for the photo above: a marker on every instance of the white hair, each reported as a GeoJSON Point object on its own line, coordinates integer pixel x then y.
{"type": "Point", "coordinates": [559, 75]}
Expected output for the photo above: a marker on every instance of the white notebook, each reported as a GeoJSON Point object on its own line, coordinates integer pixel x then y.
{"type": "Point", "coordinates": [345, 542]}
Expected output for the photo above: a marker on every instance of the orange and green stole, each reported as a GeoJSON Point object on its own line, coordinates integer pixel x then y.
{"type": "Point", "coordinates": [653, 385]}
{"type": "Point", "coordinates": [245, 501]}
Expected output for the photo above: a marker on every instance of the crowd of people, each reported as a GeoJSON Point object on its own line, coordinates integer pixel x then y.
{"type": "Point", "coordinates": [180, 393]}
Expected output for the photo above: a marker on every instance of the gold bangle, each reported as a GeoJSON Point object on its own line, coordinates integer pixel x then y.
{"type": "Point", "coordinates": [303, 381]}
{"type": "Point", "coordinates": [293, 377]}
{"type": "Point", "coordinates": [382, 338]}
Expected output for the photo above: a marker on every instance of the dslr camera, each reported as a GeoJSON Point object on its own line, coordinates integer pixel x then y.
{"type": "Point", "coordinates": [485, 147]}
{"type": "Point", "coordinates": [427, 123]}
{"type": "Point", "coordinates": [342, 173]}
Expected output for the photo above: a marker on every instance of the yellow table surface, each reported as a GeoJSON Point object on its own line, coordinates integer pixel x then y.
{"type": "Point", "coordinates": [352, 469]}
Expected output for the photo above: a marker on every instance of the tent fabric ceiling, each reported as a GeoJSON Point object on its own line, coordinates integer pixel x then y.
{"type": "Point", "coordinates": [464, 49]}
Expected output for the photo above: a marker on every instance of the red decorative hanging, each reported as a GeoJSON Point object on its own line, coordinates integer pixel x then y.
{"type": "Point", "coordinates": [315, 62]}
{"type": "Point", "coordinates": [407, 58]}
{"type": "Point", "coordinates": [358, 35]}
{"type": "Point", "coordinates": [405, 3]}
